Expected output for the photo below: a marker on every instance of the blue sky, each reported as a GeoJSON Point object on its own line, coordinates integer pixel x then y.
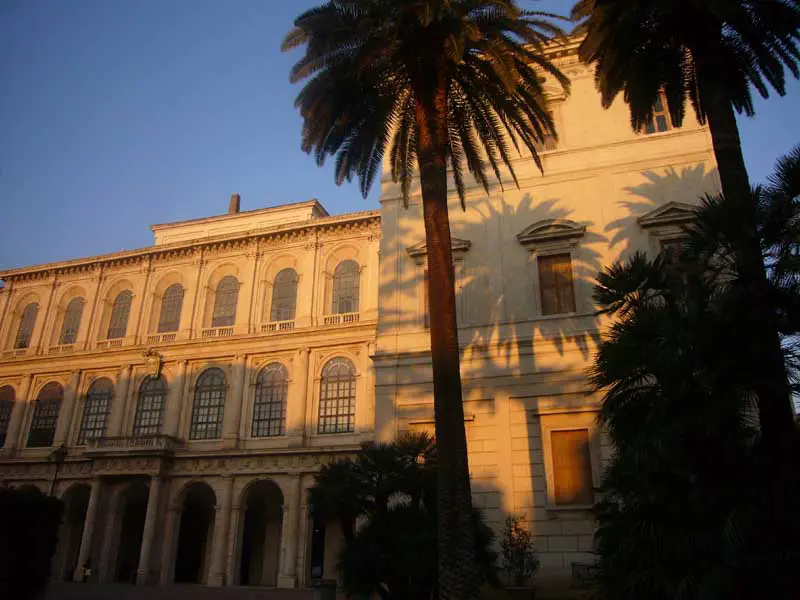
{"type": "Point", "coordinates": [115, 115]}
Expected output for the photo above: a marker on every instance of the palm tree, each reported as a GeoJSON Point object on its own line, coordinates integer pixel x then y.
{"type": "Point", "coordinates": [683, 508]}
{"type": "Point", "coordinates": [436, 83]}
{"type": "Point", "coordinates": [711, 53]}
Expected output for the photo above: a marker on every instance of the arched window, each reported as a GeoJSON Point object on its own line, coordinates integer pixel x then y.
{"type": "Point", "coordinates": [120, 311]}
{"type": "Point", "coordinates": [345, 287]}
{"type": "Point", "coordinates": [6, 408]}
{"type": "Point", "coordinates": [284, 296]}
{"type": "Point", "coordinates": [337, 397]}
{"type": "Point", "coordinates": [95, 410]}
{"type": "Point", "coordinates": [209, 403]}
{"type": "Point", "coordinates": [72, 321]}
{"type": "Point", "coordinates": [26, 324]}
{"type": "Point", "coordinates": [227, 295]}
{"type": "Point", "coordinates": [45, 416]}
{"type": "Point", "coordinates": [269, 408]}
{"type": "Point", "coordinates": [150, 408]}
{"type": "Point", "coordinates": [169, 319]}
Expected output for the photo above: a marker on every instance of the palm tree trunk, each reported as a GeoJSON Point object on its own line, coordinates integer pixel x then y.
{"type": "Point", "coordinates": [457, 572]}
{"type": "Point", "coordinates": [774, 399]}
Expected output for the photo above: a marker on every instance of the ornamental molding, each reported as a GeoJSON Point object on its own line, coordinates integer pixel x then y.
{"type": "Point", "coordinates": [344, 224]}
{"type": "Point", "coordinates": [458, 247]}
{"type": "Point", "coordinates": [153, 362]}
{"type": "Point", "coordinates": [550, 231]}
{"type": "Point", "coordinates": [670, 214]}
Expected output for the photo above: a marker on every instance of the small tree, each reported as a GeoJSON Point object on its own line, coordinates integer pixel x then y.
{"type": "Point", "coordinates": [519, 556]}
{"type": "Point", "coordinates": [384, 499]}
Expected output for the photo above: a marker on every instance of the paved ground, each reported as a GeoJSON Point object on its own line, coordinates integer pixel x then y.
{"type": "Point", "coordinates": [117, 591]}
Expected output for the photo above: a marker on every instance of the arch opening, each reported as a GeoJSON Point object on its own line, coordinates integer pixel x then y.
{"type": "Point", "coordinates": [76, 503]}
{"type": "Point", "coordinates": [133, 505]}
{"type": "Point", "coordinates": [194, 534]}
{"type": "Point", "coordinates": [260, 534]}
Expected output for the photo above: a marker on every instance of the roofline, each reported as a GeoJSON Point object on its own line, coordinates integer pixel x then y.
{"type": "Point", "coordinates": [206, 241]}
{"type": "Point", "coordinates": [226, 216]}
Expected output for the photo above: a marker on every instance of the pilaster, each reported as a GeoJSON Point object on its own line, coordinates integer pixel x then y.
{"type": "Point", "coordinates": [217, 576]}
{"type": "Point", "coordinates": [233, 410]}
{"type": "Point", "coordinates": [88, 530]}
{"type": "Point", "coordinates": [297, 398]}
{"type": "Point", "coordinates": [118, 403]}
{"type": "Point", "coordinates": [287, 578]}
{"type": "Point", "coordinates": [21, 404]}
{"type": "Point", "coordinates": [143, 572]}
{"type": "Point", "coordinates": [175, 399]}
{"type": "Point", "coordinates": [65, 415]}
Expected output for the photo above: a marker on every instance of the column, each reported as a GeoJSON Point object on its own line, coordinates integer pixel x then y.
{"type": "Point", "coordinates": [230, 545]}
{"type": "Point", "coordinates": [233, 410]}
{"type": "Point", "coordinates": [217, 576]}
{"type": "Point", "coordinates": [172, 413]}
{"type": "Point", "coordinates": [67, 408]}
{"type": "Point", "coordinates": [143, 573]}
{"type": "Point", "coordinates": [118, 402]}
{"type": "Point", "coordinates": [291, 519]}
{"type": "Point", "coordinates": [168, 546]}
{"type": "Point", "coordinates": [13, 437]}
{"type": "Point", "coordinates": [298, 397]}
{"type": "Point", "coordinates": [84, 553]}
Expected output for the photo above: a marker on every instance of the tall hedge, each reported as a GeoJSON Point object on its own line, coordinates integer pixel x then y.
{"type": "Point", "coordinates": [29, 523]}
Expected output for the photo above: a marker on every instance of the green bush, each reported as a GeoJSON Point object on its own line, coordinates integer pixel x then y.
{"type": "Point", "coordinates": [384, 500]}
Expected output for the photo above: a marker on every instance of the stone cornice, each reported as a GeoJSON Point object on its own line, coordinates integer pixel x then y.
{"type": "Point", "coordinates": [272, 209]}
{"type": "Point", "coordinates": [368, 220]}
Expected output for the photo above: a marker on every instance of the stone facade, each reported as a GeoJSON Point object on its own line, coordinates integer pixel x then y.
{"type": "Point", "coordinates": [169, 493]}
{"type": "Point", "coordinates": [605, 193]}
{"type": "Point", "coordinates": [132, 475]}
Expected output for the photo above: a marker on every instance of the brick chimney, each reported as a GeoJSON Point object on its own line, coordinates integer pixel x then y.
{"type": "Point", "coordinates": [233, 208]}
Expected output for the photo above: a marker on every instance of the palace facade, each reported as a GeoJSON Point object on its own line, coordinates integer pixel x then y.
{"type": "Point", "coordinates": [190, 390]}
{"type": "Point", "coordinates": [180, 397]}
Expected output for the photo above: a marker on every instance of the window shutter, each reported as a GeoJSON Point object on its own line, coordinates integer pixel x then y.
{"type": "Point", "coordinates": [572, 467]}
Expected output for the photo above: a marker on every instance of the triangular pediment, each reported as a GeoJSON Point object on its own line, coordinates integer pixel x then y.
{"type": "Point", "coordinates": [551, 230]}
{"type": "Point", "coordinates": [457, 246]}
{"type": "Point", "coordinates": [671, 213]}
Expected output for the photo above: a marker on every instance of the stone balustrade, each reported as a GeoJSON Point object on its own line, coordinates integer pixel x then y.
{"type": "Point", "coordinates": [131, 445]}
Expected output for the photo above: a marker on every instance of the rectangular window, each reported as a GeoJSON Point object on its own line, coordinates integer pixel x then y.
{"type": "Point", "coordinates": [661, 120]}
{"type": "Point", "coordinates": [555, 284]}
{"type": "Point", "coordinates": [572, 467]}
{"type": "Point", "coordinates": [549, 142]}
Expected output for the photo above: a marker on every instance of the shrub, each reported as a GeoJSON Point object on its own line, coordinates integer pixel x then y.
{"type": "Point", "coordinates": [519, 556]}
